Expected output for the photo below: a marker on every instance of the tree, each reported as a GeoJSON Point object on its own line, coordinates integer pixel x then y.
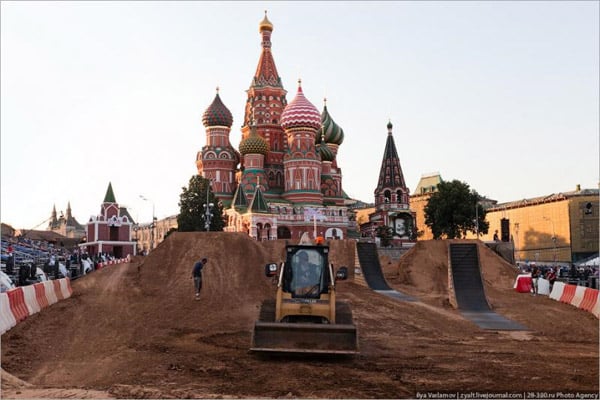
{"type": "Point", "coordinates": [192, 201]}
{"type": "Point", "coordinates": [454, 210]}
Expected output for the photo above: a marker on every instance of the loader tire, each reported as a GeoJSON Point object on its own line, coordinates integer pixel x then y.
{"type": "Point", "coordinates": [267, 311]}
{"type": "Point", "coordinates": [343, 313]}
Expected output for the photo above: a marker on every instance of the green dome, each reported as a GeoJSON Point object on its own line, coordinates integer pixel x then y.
{"type": "Point", "coordinates": [325, 152]}
{"type": "Point", "coordinates": [254, 144]}
{"type": "Point", "coordinates": [333, 132]}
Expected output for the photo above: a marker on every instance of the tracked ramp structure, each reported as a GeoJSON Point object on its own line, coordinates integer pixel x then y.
{"type": "Point", "coordinates": [469, 292]}
{"type": "Point", "coordinates": [371, 270]}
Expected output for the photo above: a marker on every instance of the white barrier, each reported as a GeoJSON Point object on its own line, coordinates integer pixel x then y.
{"type": "Point", "coordinates": [50, 294]}
{"type": "Point", "coordinates": [557, 290]}
{"type": "Point", "coordinates": [579, 291]}
{"type": "Point", "coordinates": [30, 299]}
{"type": "Point", "coordinates": [7, 319]}
{"type": "Point", "coordinates": [65, 288]}
{"type": "Point", "coordinates": [543, 286]}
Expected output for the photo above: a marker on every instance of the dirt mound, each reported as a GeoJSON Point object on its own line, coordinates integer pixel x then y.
{"type": "Point", "coordinates": [423, 271]}
{"type": "Point", "coordinates": [135, 331]}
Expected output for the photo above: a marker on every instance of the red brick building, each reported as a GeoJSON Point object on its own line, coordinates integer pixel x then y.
{"type": "Point", "coordinates": [110, 232]}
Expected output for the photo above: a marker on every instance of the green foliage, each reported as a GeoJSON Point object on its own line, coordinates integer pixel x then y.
{"type": "Point", "coordinates": [450, 212]}
{"type": "Point", "coordinates": [385, 234]}
{"type": "Point", "coordinates": [169, 232]}
{"type": "Point", "coordinates": [192, 215]}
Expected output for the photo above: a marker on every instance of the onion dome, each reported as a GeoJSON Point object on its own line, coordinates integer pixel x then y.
{"type": "Point", "coordinates": [265, 24]}
{"type": "Point", "coordinates": [325, 152]}
{"type": "Point", "coordinates": [300, 113]}
{"type": "Point", "coordinates": [217, 114]}
{"type": "Point", "coordinates": [332, 131]}
{"type": "Point", "coordinates": [254, 144]}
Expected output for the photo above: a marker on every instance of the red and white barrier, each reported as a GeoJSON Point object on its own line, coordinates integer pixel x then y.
{"type": "Point", "coordinates": [113, 262]}
{"type": "Point", "coordinates": [50, 292]}
{"type": "Point", "coordinates": [568, 294]}
{"type": "Point", "coordinates": [31, 301]}
{"type": "Point", "coordinates": [24, 301]}
{"type": "Point", "coordinates": [523, 283]}
{"type": "Point", "coordinates": [596, 308]}
{"type": "Point", "coordinates": [7, 319]}
{"type": "Point", "coordinates": [590, 300]}
{"type": "Point", "coordinates": [65, 285]}
{"type": "Point", "coordinates": [18, 308]}
{"type": "Point", "coordinates": [557, 290]}
{"type": "Point", "coordinates": [582, 297]}
{"type": "Point", "coordinates": [578, 296]}
{"type": "Point", "coordinates": [58, 290]}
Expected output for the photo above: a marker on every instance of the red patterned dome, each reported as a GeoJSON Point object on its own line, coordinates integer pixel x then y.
{"type": "Point", "coordinates": [300, 113]}
{"type": "Point", "coordinates": [217, 114]}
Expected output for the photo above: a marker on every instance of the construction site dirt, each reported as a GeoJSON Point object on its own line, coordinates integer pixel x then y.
{"type": "Point", "coordinates": [135, 331]}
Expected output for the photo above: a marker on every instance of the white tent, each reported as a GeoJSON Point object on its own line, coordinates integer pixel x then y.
{"type": "Point", "coordinates": [590, 262]}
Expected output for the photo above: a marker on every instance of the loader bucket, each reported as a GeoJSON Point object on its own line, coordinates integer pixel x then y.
{"type": "Point", "coordinates": [280, 337]}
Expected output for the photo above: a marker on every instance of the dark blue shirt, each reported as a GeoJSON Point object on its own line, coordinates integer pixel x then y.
{"type": "Point", "coordinates": [197, 271]}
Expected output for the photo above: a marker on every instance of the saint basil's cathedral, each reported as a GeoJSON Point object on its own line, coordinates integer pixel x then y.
{"type": "Point", "coordinates": [288, 181]}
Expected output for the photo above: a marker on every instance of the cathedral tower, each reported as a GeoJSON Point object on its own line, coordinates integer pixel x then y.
{"type": "Point", "coordinates": [253, 149]}
{"type": "Point", "coordinates": [217, 160]}
{"type": "Point", "coordinates": [302, 165]}
{"type": "Point", "coordinates": [392, 195]}
{"type": "Point", "coordinates": [264, 105]}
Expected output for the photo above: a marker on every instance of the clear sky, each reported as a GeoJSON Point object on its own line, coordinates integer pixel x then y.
{"type": "Point", "coordinates": [501, 95]}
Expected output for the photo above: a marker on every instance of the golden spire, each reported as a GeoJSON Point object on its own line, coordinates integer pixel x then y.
{"type": "Point", "coordinates": [265, 24]}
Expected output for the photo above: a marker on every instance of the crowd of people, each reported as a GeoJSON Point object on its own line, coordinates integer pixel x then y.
{"type": "Point", "coordinates": [27, 261]}
{"type": "Point", "coordinates": [582, 276]}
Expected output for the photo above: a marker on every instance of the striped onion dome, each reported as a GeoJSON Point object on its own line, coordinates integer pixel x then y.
{"type": "Point", "coordinates": [333, 132]}
{"type": "Point", "coordinates": [217, 114]}
{"type": "Point", "coordinates": [300, 113]}
{"type": "Point", "coordinates": [254, 144]}
{"type": "Point", "coordinates": [325, 152]}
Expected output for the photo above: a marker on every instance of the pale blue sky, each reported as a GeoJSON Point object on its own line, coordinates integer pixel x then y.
{"type": "Point", "coordinates": [501, 95]}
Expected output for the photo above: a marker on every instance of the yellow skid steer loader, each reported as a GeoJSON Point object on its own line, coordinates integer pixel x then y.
{"type": "Point", "coordinates": [305, 316]}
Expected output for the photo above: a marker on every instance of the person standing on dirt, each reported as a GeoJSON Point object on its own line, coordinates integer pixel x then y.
{"type": "Point", "coordinates": [551, 277]}
{"type": "Point", "coordinates": [535, 274]}
{"type": "Point", "coordinates": [197, 275]}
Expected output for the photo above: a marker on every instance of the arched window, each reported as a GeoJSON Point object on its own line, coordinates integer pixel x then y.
{"type": "Point", "coordinates": [387, 195]}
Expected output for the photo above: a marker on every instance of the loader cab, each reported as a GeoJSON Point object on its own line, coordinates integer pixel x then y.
{"type": "Point", "coordinates": [306, 272]}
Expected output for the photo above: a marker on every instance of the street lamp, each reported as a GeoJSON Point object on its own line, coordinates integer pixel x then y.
{"type": "Point", "coordinates": [208, 207]}
{"type": "Point", "coordinates": [553, 236]}
{"type": "Point", "coordinates": [477, 219]}
{"type": "Point", "coordinates": [153, 222]}
{"type": "Point", "coordinates": [517, 242]}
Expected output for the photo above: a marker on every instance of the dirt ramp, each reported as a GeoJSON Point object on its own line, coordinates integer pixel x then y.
{"type": "Point", "coordinates": [233, 280]}
{"type": "Point", "coordinates": [121, 318]}
{"type": "Point", "coordinates": [423, 271]}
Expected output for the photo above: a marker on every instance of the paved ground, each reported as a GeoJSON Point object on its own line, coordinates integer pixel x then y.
{"type": "Point", "coordinates": [135, 331]}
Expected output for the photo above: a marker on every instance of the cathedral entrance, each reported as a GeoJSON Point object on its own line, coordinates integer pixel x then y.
{"type": "Point", "coordinates": [118, 251]}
